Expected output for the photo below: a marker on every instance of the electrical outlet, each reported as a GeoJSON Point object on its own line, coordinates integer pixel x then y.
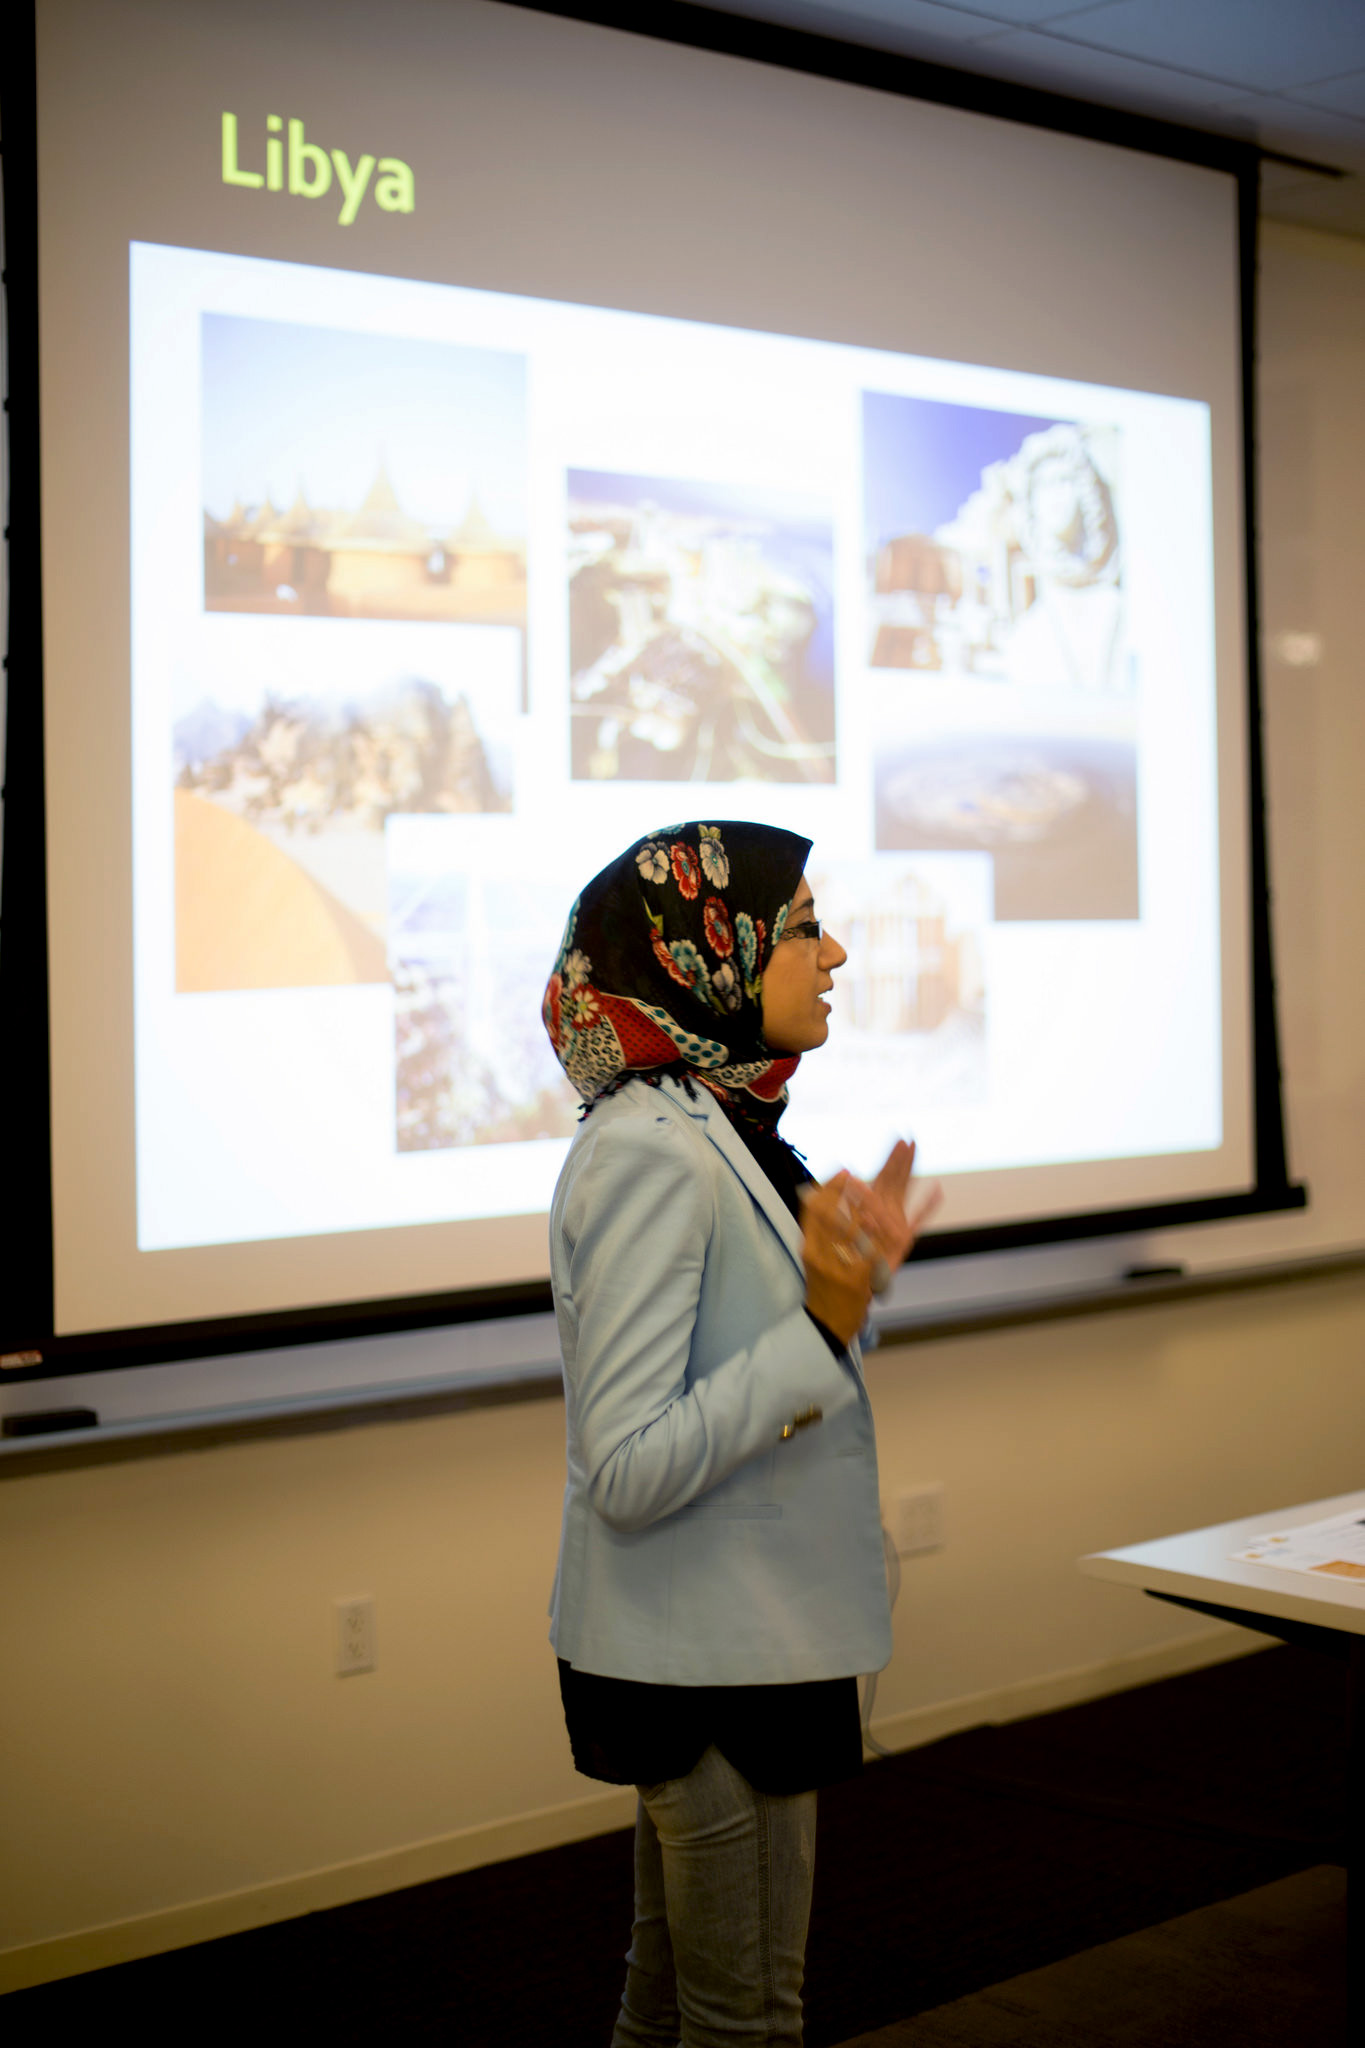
{"type": "Point", "coordinates": [355, 1636]}
{"type": "Point", "coordinates": [916, 1520]}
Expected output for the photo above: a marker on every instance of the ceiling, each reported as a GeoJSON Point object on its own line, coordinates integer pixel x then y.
{"type": "Point", "coordinates": [1289, 74]}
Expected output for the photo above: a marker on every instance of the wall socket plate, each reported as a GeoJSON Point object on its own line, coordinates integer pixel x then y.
{"type": "Point", "coordinates": [355, 1637]}
{"type": "Point", "coordinates": [915, 1520]}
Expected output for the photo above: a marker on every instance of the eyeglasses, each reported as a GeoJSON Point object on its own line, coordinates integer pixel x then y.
{"type": "Point", "coordinates": [809, 928]}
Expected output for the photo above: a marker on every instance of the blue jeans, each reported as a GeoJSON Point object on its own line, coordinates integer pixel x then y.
{"type": "Point", "coordinates": [722, 1902]}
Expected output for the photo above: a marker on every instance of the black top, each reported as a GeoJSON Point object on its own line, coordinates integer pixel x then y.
{"type": "Point", "coordinates": [782, 1738]}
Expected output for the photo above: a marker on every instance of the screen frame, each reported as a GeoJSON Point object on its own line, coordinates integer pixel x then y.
{"type": "Point", "coordinates": [29, 1347]}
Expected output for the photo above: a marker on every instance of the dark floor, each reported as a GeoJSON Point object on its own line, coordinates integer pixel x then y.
{"type": "Point", "coordinates": [939, 1873]}
{"type": "Point", "coordinates": [1263, 1970]}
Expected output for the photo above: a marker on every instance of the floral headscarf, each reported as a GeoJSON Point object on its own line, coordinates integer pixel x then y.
{"type": "Point", "coordinates": [662, 962]}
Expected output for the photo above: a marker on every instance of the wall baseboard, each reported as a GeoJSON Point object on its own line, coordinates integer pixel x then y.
{"type": "Point", "coordinates": [313, 1891]}
{"type": "Point", "coordinates": [1215, 1645]}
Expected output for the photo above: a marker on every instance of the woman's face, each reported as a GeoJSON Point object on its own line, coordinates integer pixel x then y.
{"type": "Point", "coordinates": [797, 979]}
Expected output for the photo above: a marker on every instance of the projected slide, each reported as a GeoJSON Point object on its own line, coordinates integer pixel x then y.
{"type": "Point", "coordinates": [441, 596]}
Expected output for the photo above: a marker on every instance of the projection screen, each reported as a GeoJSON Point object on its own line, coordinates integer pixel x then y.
{"type": "Point", "coordinates": [474, 438]}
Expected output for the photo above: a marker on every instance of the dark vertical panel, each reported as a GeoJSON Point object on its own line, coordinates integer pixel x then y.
{"type": "Point", "coordinates": [25, 1157]}
{"type": "Point", "coordinates": [1272, 1166]}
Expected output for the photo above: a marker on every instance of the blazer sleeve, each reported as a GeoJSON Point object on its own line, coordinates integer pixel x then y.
{"type": "Point", "coordinates": [637, 1225]}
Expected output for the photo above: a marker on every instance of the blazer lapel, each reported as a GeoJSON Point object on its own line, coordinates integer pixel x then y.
{"type": "Point", "coordinates": [728, 1142]}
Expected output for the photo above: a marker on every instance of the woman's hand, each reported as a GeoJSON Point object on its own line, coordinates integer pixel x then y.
{"type": "Point", "coordinates": [896, 1210]}
{"type": "Point", "coordinates": [856, 1234]}
{"type": "Point", "coordinates": [838, 1278]}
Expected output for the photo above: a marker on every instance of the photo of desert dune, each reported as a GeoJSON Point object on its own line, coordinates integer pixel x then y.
{"type": "Point", "coordinates": [294, 745]}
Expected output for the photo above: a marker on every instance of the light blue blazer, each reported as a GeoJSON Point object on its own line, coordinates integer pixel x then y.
{"type": "Point", "coordinates": [721, 1521]}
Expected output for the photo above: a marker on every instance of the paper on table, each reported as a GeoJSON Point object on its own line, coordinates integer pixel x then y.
{"type": "Point", "coordinates": [1334, 1548]}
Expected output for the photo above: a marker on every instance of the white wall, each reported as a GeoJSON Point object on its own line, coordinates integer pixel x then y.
{"type": "Point", "coordinates": [178, 1758]}
{"type": "Point", "coordinates": [1312, 429]}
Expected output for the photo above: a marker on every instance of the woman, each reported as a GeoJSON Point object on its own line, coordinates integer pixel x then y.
{"type": "Point", "coordinates": [721, 1579]}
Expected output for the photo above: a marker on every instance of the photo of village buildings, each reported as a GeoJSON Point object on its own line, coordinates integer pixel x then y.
{"type": "Point", "coordinates": [361, 476]}
{"type": "Point", "coordinates": [469, 952]}
{"type": "Point", "coordinates": [701, 624]}
{"type": "Point", "coordinates": [994, 545]}
{"type": "Point", "coordinates": [291, 749]}
{"type": "Point", "coordinates": [910, 1009]}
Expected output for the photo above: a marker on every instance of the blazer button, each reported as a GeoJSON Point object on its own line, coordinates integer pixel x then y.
{"type": "Point", "coordinates": [802, 1420]}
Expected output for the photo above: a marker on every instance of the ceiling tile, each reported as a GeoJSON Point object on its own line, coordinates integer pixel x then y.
{"type": "Point", "coordinates": [1179, 59]}
{"type": "Point", "coordinates": [911, 17]}
{"type": "Point", "coordinates": [1044, 60]}
{"type": "Point", "coordinates": [914, 28]}
{"type": "Point", "coordinates": [1264, 44]}
{"type": "Point", "coordinates": [896, 24]}
{"type": "Point", "coordinates": [1342, 95]}
{"type": "Point", "coordinates": [1285, 124]}
{"type": "Point", "coordinates": [1019, 13]}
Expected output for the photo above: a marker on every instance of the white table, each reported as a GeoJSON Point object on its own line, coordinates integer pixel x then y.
{"type": "Point", "coordinates": [1197, 1570]}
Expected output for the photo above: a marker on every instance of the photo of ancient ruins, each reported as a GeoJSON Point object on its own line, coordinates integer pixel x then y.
{"type": "Point", "coordinates": [361, 476]}
{"type": "Point", "coordinates": [909, 1023]}
{"type": "Point", "coordinates": [701, 624]}
{"type": "Point", "coordinates": [993, 546]}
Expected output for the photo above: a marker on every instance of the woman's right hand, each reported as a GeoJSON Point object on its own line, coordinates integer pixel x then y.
{"type": "Point", "coordinates": [838, 1280]}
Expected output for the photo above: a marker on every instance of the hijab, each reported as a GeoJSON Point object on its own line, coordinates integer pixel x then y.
{"type": "Point", "coordinates": [661, 967]}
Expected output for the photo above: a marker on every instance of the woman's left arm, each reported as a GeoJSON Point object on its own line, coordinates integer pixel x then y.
{"type": "Point", "coordinates": [637, 1224]}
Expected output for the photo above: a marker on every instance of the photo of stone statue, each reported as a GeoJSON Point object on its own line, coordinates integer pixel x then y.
{"type": "Point", "coordinates": [994, 546]}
